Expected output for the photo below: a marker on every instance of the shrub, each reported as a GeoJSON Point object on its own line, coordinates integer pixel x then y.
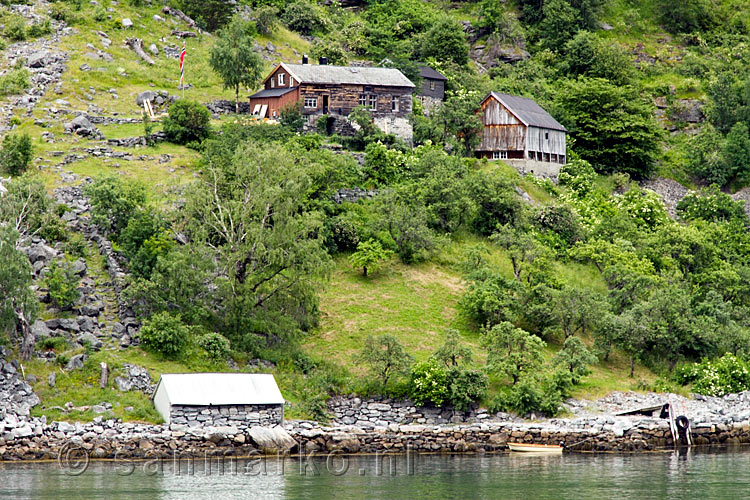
{"type": "Point", "coordinates": [385, 356]}
{"type": "Point", "coordinates": [305, 17]}
{"type": "Point", "coordinates": [265, 19]}
{"type": "Point", "coordinates": [76, 246]}
{"type": "Point", "coordinates": [100, 14]}
{"type": "Point", "coordinates": [62, 284]}
{"type": "Point", "coordinates": [528, 396]}
{"type": "Point", "coordinates": [579, 175]}
{"type": "Point", "coordinates": [114, 201]}
{"type": "Point", "coordinates": [215, 344]}
{"type": "Point", "coordinates": [188, 121]}
{"type": "Point", "coordinates": [465, 387]}
{"type": "Point", "coordinates": [52, 228]}
{"type": "Point", "coordinates": [342, 232]}
{"type": "Point", "coordinates": [16, 153]}
{"type": "Point", "coordinates": [725, 375]}
{"type": "Point", "coordinates": [40, 28]}
{"type": "Point", "coordinates": [292, 117]}
{"type": "Point", "coordinates": [14, 82]}
{"type": "Point", "coordinates": [61, 12]}
{"type": "Point", "coordinates": [428, 383]}
{"type": "Point", "coordinates": [164, 333]}
{"type": "Point", "coordinates": [710, 204]}
{"type": "Point", "coordinates": [15, 28]}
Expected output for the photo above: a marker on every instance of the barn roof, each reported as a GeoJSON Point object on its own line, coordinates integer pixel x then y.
{"type": "Point", "coordinates": [203, 389]}
{"type": "Point", "coordinates": [273, 92]}
{"type": "Point", "coordinates": [430, 74]}
{"type": "Point", "coordinates": [352, 75]}
{"type": "Point", "coordinates": [528, 111]}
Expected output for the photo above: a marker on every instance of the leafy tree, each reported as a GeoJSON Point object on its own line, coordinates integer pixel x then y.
{"type": "Point", "coordinates": [25, 204]}
{"type": "Point", "coordinates": [187, 122]}
{"type": "Point", "coordinates": [383, 165]}
{"type": "Point", "coordinates": [457, 117]}
{"type": "Point", "coordinates": [368, 256]}
{"type": "Point", "coordinates": [687, 16]}
{"type": "Point", "coordinates": [496, 201]}
{"type": "Point", "coordinates": [559, 23]}
{"type": "Point", "coordinates": [575, 358]}
{"type": "Point", "coordinates": [578, 175]}
{"type": "Point", "coordinates": [444, 191]}
{"type": "Point", "coordinates": [613, 127]}
{"type": "Point", "coordinates": [385, 356]}
{"type": "Point", "coordinates": [522, 249]}
{"type": "Point", "coordinates": [62, 283]}
{"type": "Point", "coordinates": [452, 353]}
{"type": "Point", "coordinates": [512, 352]}
{"type": "Point", "coordinates": [209, 14]}
{"type": "Point", "coordinates": [249, 216]}
{"type": "Point", "coordinates": [114, 201]}
{"type": "Point", "coordinates": [735, 155]}
{"type": "Point", "coordinates": [266, 18]}
{"type": "Point", "coordinates": [165, 334]}
{"type": "Point", "coordinates": [491, 298]}
{"type": "Point", "coordinates": [578, 310]}
{"type": "Point", "coordinates": [586, 54]}
{"type": "Point", "coordinates": [406, 224]}
{"type": "Point", "coordinates": [560, 220]}
{"type": "Point", "coordinates": [234, 59]}
{"type": "Point", "coordinates": [305, 17]}
{"type": "Point", "coordinates": [705, 158]}
{"type": "Point", "coordinates": [465, 387]}
{"type": "Point", "coordinates": [16, 153]}
{"type": "Point", "coordinates": [18, 305]}
{"type": "Point", "coordinates": [633, 335]}
{"type": "Point", "coordinates": [445, 41]}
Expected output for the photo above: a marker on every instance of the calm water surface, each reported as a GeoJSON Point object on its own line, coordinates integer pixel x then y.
{"type": "Point", "coordinates": [701, 475]}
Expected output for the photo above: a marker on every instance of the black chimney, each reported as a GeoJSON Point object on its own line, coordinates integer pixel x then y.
{"type": "Point", "coordinates": [323, 61]}
{"type": "Point", "coordinates": [304, 59]}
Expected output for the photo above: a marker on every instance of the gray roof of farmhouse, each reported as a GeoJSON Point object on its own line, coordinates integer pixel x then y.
{"type": "Point", "coordinates": [528, 111]}
{"type": "Point", "coordinates": [327, 74]}
{"type": "Point", "coordinates": [204, 389]}
{"type": "Point", "coordinates": [273, 92]}
{"type": "Point", "coordinates": [431, 74]}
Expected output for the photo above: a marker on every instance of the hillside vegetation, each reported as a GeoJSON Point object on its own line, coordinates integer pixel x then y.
{"type": "Point", "coordinates": [454, 281]}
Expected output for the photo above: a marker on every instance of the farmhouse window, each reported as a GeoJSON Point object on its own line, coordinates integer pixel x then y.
{"type": "Point", "coordinates": [546, 136]}
{"type": "Point", "coordinates": [373, 102]}
{"type": "Point", "coordinates": [499, 155]}
{"type": "Point", "coordinates": [394, 103]}
{"type": "Point", "coordinates": [311, 102]}
{"type": "Point", "coordinates": [281, 79]}
{"type": "Point", "coordinates": [272, 83]}
{"type": "Point", "coordinates": [362, 100]}
{"type": "Point", "coordinates": [531, 155]}
{"type": "Point", "coordinates": [432, 85]}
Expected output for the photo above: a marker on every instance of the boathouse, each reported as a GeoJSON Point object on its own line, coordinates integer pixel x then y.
{"type": "Point", "coordinates": [219, 399]}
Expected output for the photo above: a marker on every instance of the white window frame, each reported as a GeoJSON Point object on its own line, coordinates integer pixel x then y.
{"type": "Point", "coordinates": [499, 155]}
{"type": "Point", "coordinates": [395, 103]}
{"type": "Point", "coordinates": [272, 83]}
{"type": "Point", "coordinates": [281, 79]}
{"type": "Point", "coordinates": [432, 84]}
{"type": "Point", "coordinates": [363, 100]}
{"type": "Point", "coordinates": [372, 102]}
{"type": "Point", "coordinates": [311, 103]}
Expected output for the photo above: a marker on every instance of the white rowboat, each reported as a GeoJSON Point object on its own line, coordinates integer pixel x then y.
{"type": "Point", "coordinates": [536, 448]}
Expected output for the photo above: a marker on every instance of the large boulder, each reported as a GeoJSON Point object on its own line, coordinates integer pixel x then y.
{"type": "Point", "coordinates": [39, 59]}
{"type": "Point", "coordinates": [148, 95]}
{"type": "Point", "coordinates": [40, 252]}
{"type": "Point", "coordinates": [40, 330]}
{"type": "Point", "coordinates": [76, 362]}
{"type": "Point", "coordinates": [80, 125]}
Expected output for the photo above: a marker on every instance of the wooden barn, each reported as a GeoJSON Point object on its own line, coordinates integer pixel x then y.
{"type": "Point", "coordinates": [517, 130]}
{"type": "Point", "coordinates": [433, 85]}
{"type": "Point", "coordinates": [335, 91]}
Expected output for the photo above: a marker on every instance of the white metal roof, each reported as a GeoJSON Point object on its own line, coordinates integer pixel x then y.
{"type": "Point", "coordinates": [203, 389]}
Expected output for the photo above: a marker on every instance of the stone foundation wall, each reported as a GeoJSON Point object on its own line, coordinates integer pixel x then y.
{"type": "Point", "coordinates": [240, 416]}
{"type": "Point", "coordinates": [536, 168]}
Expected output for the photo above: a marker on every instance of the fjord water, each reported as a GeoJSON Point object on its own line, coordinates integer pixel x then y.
{"type": "Point", "coordinates": [698, 474]}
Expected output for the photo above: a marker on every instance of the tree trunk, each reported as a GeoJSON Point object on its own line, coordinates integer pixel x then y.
{"type": "Point", "coordinates": [237, 99]}
{"type": "Point", "coordinates": [27, 337]}
{"type": "Point", "coordinates": [178, 14]}
{"type": "Point", "coordinates": [632, 366]}
{"type": "Point", "coordinates": [364, 271]}
{"type": "Point", "coordinates": [136, 44]}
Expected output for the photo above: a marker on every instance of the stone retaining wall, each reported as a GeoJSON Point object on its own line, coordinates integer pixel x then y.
{"type": "Point", "coordinates": [379, 412]}
{"type": "Point", "coordinates": [241, 416]}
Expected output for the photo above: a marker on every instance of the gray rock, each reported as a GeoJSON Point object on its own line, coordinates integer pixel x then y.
{"type": "Point", "coordinates": [90, 338]}
{"type": "Point", "coordinates": [40, 330]}
{"type": "Point", "coordinates": [86, 324]}
{"type": "Point", "coordinates": [41, 252]}
{"type": "Point", "coordinates": [79, 267]}
{"type": "Point", "coordinates": [148, 95]}
{"type": "Point", "coordinates": [52, 379]}
{"type": "Point", "coordinates": [38, 59]}
{"type": "Point", "coordinates": [123, 384]}
{"type": "Point", "coordinates": [76, 362]}
{"type": "Point", "coordinates": [127, 23]}
{"type": "Point", "coordinates": [153, 49]}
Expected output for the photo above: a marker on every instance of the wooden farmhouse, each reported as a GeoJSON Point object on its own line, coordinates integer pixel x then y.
{"type": "Point", "coordinates": [433, 87]}
{"type": "Point", "coordinates": [518, 131]}
{"type": "Point", "coordinates": [335, 91]}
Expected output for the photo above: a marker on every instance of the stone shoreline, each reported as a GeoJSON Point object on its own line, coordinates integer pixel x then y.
{"type": "Point", "coordinates": [34, 439]}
